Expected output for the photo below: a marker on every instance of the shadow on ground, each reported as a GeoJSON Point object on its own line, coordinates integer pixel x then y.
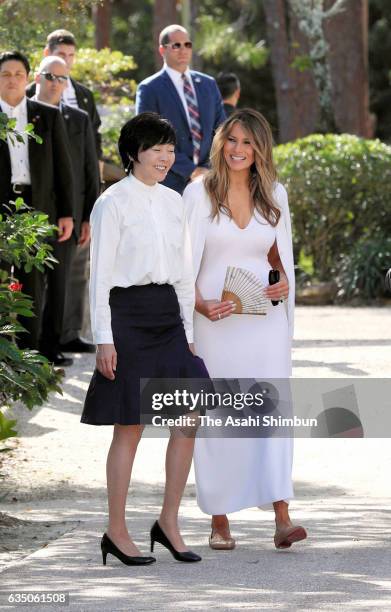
{"type": "Point", "coordinates": [345, 560]}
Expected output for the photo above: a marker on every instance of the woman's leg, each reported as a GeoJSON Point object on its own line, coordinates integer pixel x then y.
{"type": "Point", "coordinates": [220, 522]}
{"type": "Point", "coordinates": [220, 525]}
{"type": "Point", "coordinates": [178, 461]}
{"type": "Point", "coordinates": [282, 514]}
{"type": "Point", "coordinates": [118, 470]}
{"type": "Point", "coordinates": [286, 533]}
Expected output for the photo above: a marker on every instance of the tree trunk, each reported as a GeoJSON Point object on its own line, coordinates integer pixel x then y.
{"type": "Point", "coordinates": [347, 35]}
{"type": "Point", "coordinates": [194, 10]}
{"type": "Point", "coordinates": [164, 13]}
{"type": "Point", "coordinates": [297, 100]}
{"type": "Point", "coordinates": [102, 19]}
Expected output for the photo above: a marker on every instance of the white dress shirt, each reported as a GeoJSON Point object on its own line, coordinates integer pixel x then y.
{"type": "Point", "coordinates": [139, 235]}
{"type": "Point", "coordinates": [19, 151]}
{"type": "Point", "coordinates": [69, 95]}
{"type": "Point", "coordinates": [176, 78]}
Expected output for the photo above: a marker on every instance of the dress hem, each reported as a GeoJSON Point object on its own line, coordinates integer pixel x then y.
{"type": "Point", "coordinates": [263, 505]}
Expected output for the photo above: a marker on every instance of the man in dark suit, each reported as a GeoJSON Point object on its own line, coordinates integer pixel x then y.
{"type": "Point", "coordinates": [190, 100]}
{"type": "Point", "coordinates": [42, 175]}
{"type": "Point", "coordinates": [229, 86]}
{"type": "Point", "coordinates": [62, 43]}
{"type": "Point", "coordinates": [51, 81]}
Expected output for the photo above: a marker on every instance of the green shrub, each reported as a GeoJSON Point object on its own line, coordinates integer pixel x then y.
{"type": "Point", "coordinates": [340, 194]}
{"type": "Point", "coordinates": [107, 73]}
{"type": "Point", "coordinates": [363, 270]}
{"type": "Point", "coordinates": [25, 375]}
{"type": "Point", "coordinates": [113, 118]}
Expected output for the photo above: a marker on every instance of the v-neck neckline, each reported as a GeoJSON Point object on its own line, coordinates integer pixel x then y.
{"type": "Point", "coordinates": [242, 229]}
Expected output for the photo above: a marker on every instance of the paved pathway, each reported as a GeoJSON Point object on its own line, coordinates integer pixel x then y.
{"type": "Point", "coordinates": [56, 478]}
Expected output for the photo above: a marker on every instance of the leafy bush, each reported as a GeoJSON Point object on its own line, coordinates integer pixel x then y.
{"type": "Point", "coordinates": [44, 16]}
{"type": "Point", "coordinates": [113, 118]}
{"type": "Point", "coordinates": [340, 194]}
{"type": "Point", "coordinates": [8, 128]}
{"type": "Point", "coordinates": [107, 73]}
{"type": "Point", "coordinates": [219, 40]}
{"type": "Point", "coordinates": [25, 375]}
{"type": "Point", "coordinates": [363, 269]}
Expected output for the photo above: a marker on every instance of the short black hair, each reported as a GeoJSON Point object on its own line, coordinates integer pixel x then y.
{"type": "Point", "coordinates": [228, 83]}
{"type": "Point", "coordinates": [141, 133]}
{"type": "Point", "coordinates": [60, 37]}
{"type": "Point", "coordinates": [17, 56]}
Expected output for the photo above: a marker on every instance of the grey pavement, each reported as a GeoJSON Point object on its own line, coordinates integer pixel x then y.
{"type": "Point", "coordinates": [342, 497]}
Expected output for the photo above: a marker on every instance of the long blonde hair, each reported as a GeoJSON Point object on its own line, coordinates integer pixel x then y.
{"type": "Point", "coordinates": [262, 175]}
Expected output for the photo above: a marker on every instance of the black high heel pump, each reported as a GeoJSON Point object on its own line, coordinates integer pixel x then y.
{"type": "Point", "coordinates": [158, 535]}
{"type": "Point", "coordinates": [108, 546]}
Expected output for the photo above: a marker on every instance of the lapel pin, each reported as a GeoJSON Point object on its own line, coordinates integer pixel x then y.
{"type": "Point", "coordinates": [197, 80]}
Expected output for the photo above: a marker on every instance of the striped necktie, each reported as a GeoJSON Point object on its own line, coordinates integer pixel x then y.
{"type": "Point", "coordinates": [195, 125]}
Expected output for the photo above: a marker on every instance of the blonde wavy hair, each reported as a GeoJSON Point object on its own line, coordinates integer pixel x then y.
{"type": "Point", "coordinates": [262, 174]}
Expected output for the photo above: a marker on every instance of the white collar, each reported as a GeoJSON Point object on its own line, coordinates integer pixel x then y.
{"type": "Point", "coordinates": [69, 87]}
{"type": "Point", "coordinates": [17, 110]}
{"type": "Point", "coordinates": [140, 186]}
{"type": "Point", "coordinates": [175, 75]}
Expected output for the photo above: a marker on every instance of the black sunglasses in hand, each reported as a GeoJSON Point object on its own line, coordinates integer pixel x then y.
{"type": "Point", "coordinates": [53, 77]}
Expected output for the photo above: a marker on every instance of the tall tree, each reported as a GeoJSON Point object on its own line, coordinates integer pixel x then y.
{"type": "Point", "coordinates": [325, 40]}
{"type": "Point", "coordinates": [292, 85]}
{"type": "Point", "coordinates": [312, 15]}
{"type": "Point", "coordinates": [101, 13]}
{"type": "Point", "coordinates": [347, 37]}
{"type": "Point", "coordinates": [164, 14]}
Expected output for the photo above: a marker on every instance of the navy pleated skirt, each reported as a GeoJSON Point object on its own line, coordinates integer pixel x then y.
{"type": "Point", "coordinates": [150, 341]}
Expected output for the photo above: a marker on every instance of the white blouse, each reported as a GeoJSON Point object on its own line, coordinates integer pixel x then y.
{"type": "Point", "coordinates": [139, 235]}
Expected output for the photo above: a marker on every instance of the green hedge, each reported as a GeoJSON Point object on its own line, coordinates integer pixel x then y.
{"type": "Point", "coordinates": [340, 198]}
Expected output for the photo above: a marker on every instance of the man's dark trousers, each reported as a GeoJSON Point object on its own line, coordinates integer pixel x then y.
{"type": "Point", "coordinates": [86, 182]}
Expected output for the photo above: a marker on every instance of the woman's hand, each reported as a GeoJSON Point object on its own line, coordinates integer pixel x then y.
{"type": "Point", "coordinates": [214, 310]}
{"type": "Point", "coordinates": [106, 360]}
{"type": "Point", "coordinates": [280, 290]}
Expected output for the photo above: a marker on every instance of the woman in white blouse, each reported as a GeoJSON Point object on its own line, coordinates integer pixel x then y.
{"type": "Point", "coordinates": [239, 216]}
{"type": "Point", "coordinates": [142, 301]}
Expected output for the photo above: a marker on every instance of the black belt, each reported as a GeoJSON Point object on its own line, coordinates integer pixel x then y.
{"type": "Point", "coordinates": [20, 188]}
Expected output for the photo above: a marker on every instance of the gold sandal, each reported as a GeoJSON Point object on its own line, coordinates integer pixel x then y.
{"type": "Point", "coordinates": [219, 542]}
{"type": "Point", "coordinates": [285, 536]}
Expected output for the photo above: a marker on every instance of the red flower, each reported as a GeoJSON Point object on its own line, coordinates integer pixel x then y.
{"type": "Point", "coordinates": [15, 286]}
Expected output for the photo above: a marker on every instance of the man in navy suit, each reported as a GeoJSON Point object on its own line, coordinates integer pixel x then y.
{"type": "Point", "coordinates": [190, 100]}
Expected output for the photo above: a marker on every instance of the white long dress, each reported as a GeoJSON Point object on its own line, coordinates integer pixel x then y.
{"type": "Point", "coordinates": [236, 473]}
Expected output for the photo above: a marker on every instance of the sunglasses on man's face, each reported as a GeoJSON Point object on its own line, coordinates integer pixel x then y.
{"type": "Point", "coordinates": [53, 77]}
{"type": "Point", "coordinates": [177, 45]}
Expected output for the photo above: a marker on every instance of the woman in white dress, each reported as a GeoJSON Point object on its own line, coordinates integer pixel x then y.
{"type": "Point", "coordinates": [239, 216]}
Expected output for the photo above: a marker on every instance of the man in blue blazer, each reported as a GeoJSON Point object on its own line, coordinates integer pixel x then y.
{"type": "Point", "coordinates": [190, 100]}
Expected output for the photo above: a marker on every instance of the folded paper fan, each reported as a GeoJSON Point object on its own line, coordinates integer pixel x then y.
{"type": "Point", "coordinates": [245, 290]}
